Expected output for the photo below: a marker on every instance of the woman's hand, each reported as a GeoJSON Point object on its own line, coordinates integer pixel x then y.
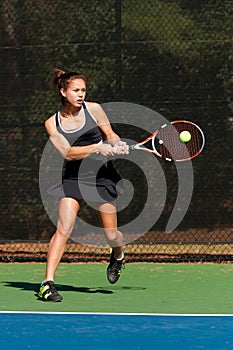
{"type": "Point", "coordinates": [121, 147]}
{"type": "Point", "coordinates": [107, 149]}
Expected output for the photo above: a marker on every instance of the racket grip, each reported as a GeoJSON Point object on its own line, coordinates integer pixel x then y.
{"type": "Point", "coordinates": [132, 147]}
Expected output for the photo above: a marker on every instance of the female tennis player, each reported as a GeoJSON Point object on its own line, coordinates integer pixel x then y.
{"type": "Point", "coordinates": [82, 133]}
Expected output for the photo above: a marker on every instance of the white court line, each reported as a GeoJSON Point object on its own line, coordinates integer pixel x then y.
{"type": "Point", "coordinates": [114, 314]}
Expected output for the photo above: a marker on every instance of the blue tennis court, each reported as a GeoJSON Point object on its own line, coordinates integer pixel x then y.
{"type": "Point", "coordinates": [20, 330]}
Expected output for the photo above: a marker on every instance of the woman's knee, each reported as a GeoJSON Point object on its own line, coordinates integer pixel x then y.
{"type": "Point", "coordinates": [114, 237]}
{"type": "Point", "coordinates": [68, 209]}
{"type": "Point", "coordinates": [64, 229]}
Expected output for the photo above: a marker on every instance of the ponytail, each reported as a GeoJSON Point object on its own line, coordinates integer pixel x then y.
{"type": "Point", "coordinates": [57, 74]}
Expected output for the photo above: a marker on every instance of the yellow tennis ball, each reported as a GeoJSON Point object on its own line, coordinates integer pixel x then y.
{"type": "Point", "coordinates": [185, 136]}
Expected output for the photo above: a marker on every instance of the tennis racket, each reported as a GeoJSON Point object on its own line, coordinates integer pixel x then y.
{"type": "Point", "coordinates": [166, 141]}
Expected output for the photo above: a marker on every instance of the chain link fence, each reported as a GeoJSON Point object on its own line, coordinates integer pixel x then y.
{"type": "Point", "coordinates": [174, 57]}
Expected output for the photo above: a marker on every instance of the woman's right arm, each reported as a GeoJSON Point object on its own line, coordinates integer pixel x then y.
{"type": "Point", "coordinates": [74, 152]}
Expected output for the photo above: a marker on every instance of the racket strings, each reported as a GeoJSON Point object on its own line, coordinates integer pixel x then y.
{"type": "Point", "coordinates": [195, 146]}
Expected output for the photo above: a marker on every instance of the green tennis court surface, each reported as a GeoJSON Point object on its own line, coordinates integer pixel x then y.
{"type": "Point", "coordinates": [142, 288]}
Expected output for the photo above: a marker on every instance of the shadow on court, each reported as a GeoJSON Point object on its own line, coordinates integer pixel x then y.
{"type": "Point", "coordinates": [26, 286]}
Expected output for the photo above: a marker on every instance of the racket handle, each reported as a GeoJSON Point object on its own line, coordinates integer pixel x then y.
{"type": "Point", "coordinates": [132, 148]}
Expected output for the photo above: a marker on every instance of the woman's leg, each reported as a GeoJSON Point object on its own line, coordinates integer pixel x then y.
{"type": "Point", "coordinates": [68, 209]}
{"type": "Point", "coordinates": [108, 215]}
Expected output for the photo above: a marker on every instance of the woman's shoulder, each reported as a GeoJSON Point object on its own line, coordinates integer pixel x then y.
{"type": "Point", "coordinates": [93, 106]}
{"type": "Point", "coordinates": [49, 123]}
{"type": "Point", "coordinates": [97, 111]}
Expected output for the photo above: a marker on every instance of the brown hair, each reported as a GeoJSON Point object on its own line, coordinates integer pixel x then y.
{"type": "Point", "coordinates": [61, 79]}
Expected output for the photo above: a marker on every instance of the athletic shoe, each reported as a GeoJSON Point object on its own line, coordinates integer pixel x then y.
{"type": "Point", "coordinates": [114, 268]}
{"type": "Point", "coordinates": [48, 292]}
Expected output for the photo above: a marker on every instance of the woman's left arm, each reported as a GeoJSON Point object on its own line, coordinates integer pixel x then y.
{"type": "Point", "coordinates": [105, 126]}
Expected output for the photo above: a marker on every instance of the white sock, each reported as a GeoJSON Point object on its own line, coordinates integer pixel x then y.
{"type": "Point", "coordinates": [122, 255]}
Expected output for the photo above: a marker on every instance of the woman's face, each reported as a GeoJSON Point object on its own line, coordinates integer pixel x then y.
{"type": "Point", "coordinates": [75, 92]}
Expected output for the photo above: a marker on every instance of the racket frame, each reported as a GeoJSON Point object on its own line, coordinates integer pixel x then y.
{"type": "Point", "coordinates": [139, 146]}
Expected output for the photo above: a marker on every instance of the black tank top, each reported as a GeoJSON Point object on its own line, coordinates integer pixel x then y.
{"type": "Point", "coordinates": [87, 134]}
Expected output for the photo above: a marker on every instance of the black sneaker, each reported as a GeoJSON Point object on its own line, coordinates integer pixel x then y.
{"type": "Point", "coordinates": [114, 268]}
{"type": "Point", "coordinates": [48, 292]}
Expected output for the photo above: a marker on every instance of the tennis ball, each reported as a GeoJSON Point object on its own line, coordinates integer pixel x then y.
{"type": "Point", "coordinates": [185, 136]}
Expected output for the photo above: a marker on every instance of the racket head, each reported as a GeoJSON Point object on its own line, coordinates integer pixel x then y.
{"type": "Point", "coordinates": [167, 144]}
